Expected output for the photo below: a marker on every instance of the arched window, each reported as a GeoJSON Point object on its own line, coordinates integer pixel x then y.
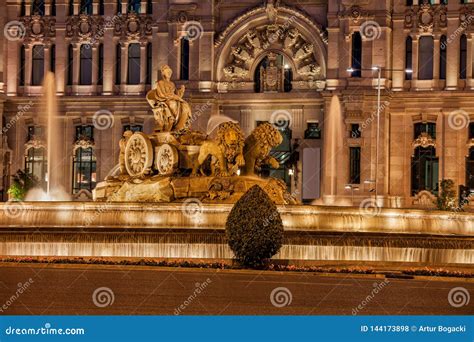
{"type": "Point", "coordinates": [36, 163]}
{"type": "Point", "coordinates": [408, 57]}
{"type": "Point", "coordinates": [86, 65]}
{"type": "Point", "coordinates": [184, 60]}
{"type": "Point", "coordinates": [273, 74]}
{"type": "Point", "coordinates": [149, 63]}
{"type": "Point", "coordinates": [22, 66]}
{"type": "Point", "coordinates": [356, 55]}
{"type": "Point", "coordinates": [37, 66]}
{"type": "Point", "coordinates": [53, 8]}
{"type": "Point", "coordinates": [84, 161]}
{"type": "Point", "coordinates": [86, 7]}
{"type": "Point", "coordinates": [470, 169]}
{"type": "Point", "coordinates": [462, 57]}
{"type": "Point", "coordinates": [424, 168]}
{"type": "Point", "coordinates": [443, 46]}
{"type": "Point", "coordinates": [100, 69]}
{"type": "Point", "coordinates": [52, 64]}
{"type": "Point", "coordinates": [37, 7]}
{"type": "Point", "coordinates": [425, 58]}
{"type": "Point", "coordinates": [70, 59]}
{"type": "Point", "coordinates": [134, 64]}
{"type": "Point", "coordinates": [118, 64]}
{"type": "Point", "coordinates": [133, 6]}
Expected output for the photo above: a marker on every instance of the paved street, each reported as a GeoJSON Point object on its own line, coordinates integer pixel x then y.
{"type": "Point", "coordinates": [60, 289]}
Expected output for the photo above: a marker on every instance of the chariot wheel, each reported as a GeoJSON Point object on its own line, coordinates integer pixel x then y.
{"type": "Point", "coordinates": [166, 161]}
{"type": "Point", "coordinates": [138, 155]}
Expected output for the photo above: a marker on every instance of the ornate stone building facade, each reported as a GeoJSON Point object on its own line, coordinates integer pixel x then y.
{"type": "Point", "coordinates": [310, 67]}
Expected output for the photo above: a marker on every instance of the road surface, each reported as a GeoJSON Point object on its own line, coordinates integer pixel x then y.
{"type": "Point", "coordinates": [132, 290]}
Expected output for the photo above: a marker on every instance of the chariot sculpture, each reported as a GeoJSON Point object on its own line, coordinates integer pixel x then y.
{"type": "Point", "coordinates": [175, 162]}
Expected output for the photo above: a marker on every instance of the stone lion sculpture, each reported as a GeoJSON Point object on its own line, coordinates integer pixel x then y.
{"type": "Point", "coordinates": [258, 146]}
{"type": "Point", "coordinates": [226, 151]}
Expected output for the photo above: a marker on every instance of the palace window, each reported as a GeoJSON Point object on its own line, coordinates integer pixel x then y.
{"type": "Point", "coordinates": [133, 6]}
{"type": "Point", "coordinates": [443, 46]}
{"type": "Point", "coordinates": [86, 7]}
{"type": "Point", "coordinates": [133, 128]}
{"type": "Point", "coordinates": [356, 56]}
{"type": "Point", "coordinates": [134, 64]}
{"type": "Point", "coordinates": [52, 64]}
{"type": "Point", "coordinates": [282, 153]}
{"type": "Point", "coordinates": [149, 7]}
{"type": "Point", "coordinates": [408, 57]}
{"type": "Point", "coordinates": [470, 169]}
{"type": "Point", "coordinates": [149, 63]}
{"type": "Point", "coordinates": [70, 59]}
{"type": "Point", "coordinates": [184, 60]}
{"type": "Point", "coordinates": [273, 74]}
{"type": "Point", "coordinates": [36, 164]}
{"type": "Point", "coordinates": [37, 7]}
{"type": "Point", "coordinates": [409, 2]}
{"type": "Point", "coordinates": [354, 167]}
{"type": "Point", "coordinates": [71, 7]}
{"type": "Point", "coordinates": [35, 132]}
{"type": "Point", "coordinates": [37, 72]}
{"type": "Point", "coordinates": [22, 66]}
{"type": "Point", "coordinates": [312, 131]}
{"type": "Point", "coordinates": [84, 161]}
{"type": "Point", "coordinates": [355, 131]}
{"type": "Point", "coordinates": [101, 7]}
{"type": "Point", "coordinates": [100, 66]}
{"type": "Point", "coordinates": [118, 64]}
{"type": "Point", "coordinates": [425, 58]}
{"type": "Point", "coordinates": [471, 130]}
{"type": "Point", "coordinates": [86, 65]}
{"type": "Point", "coordinates": [53, 8]}
{"type": "Point", "coordinates": [463, 57]}
{"type": "Point", "coordinates": [424, 168]}
{"type": "Point", "coordinates": [425, 127]}
{"type": "Point", "coordinates": [23, 8]}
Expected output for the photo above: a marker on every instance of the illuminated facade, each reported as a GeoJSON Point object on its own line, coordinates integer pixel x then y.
{"type": "Point", "coordinates": [281, 61]}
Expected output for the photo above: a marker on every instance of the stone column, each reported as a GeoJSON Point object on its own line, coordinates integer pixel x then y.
{"type": "Point", "coordinates": [109, 49]}
{"type": "Point", "coordinates": [143, 62]}
{"type": "Point", "coordinates": [399, 45]}
{"type": "Point", "coordinates": [436, 48]}
{"type": "Point", "coordinates": [297, 124]}
{"type": "Point", "coordinates": [415, 43]}
{"type": "Point", "coordinates": [452, 63]}
{"type": "Point", "coordinates": [47, 58]}
{"type": "Point", "coordinates": [13, 69]}
{"type": "Point", "coordinates": [469, 59]}
{"type": "Point", "coordinates": [76, 64]}
{"type": "Point", "coordinates": [124, 65]}
{"type": "Point", "coordinates": [95, 65]}
{"type": "Point", "coordinates": [28, 64]}
{"type": "Point", "coordinates": [61, 47]}
{"type": "Point", "coordinates": [246, 120]}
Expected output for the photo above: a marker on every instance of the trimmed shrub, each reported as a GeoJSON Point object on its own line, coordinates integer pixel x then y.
{"type": "Point", "coordinates": [254, 228]}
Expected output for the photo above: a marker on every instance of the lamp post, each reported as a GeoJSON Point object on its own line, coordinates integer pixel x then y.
{"type": "Point", "coordinates": [378, 69]}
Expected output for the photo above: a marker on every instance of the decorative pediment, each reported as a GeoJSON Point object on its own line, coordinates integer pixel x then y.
{"type": "Point", "coordinates": [34, 142]}
{"type": "Point", "coordinates": [84, 142]}
{"type": "Point", "coordinates": [466, 16]}
{"type": "Point", "coordinates": [85, 29]}
{"type": "Point", "coordinates": [424, 199]}
{"type": "Point", "coordinates": [38, 29]}
{"type": "Point", "coordinates": [133, 27]}
{"type": "Point", "coordinates": [426, 18]}
{"type": "Point", "coordinates": [424, 140]}
{"type": "Point", "coordinates": [272, 37]}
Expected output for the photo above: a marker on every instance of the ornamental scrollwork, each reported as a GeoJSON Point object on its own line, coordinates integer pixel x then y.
{"type": "Point", "coordinates": [38, 29]}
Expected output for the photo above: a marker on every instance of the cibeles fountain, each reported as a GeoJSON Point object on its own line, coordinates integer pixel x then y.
{"type": "Point", "coordinates": [175, 163]}
{"type": "Point", "coordinates": [174, 188]}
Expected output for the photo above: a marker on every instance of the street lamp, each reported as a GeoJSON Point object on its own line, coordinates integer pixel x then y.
{"type": "Point", "coordinates": [378, 69]}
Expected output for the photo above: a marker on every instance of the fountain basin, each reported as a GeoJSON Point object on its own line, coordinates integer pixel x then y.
{"type": "Point", "coordinates": [94, 229]}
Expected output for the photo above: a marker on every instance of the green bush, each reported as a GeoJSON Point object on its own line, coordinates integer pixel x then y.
{"type": "Point", "coordinates": [22, 183]}
{"type": "Point", "coordinates": [446, 199]}
{"type": "Point", "coordinates": [254, 228]}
